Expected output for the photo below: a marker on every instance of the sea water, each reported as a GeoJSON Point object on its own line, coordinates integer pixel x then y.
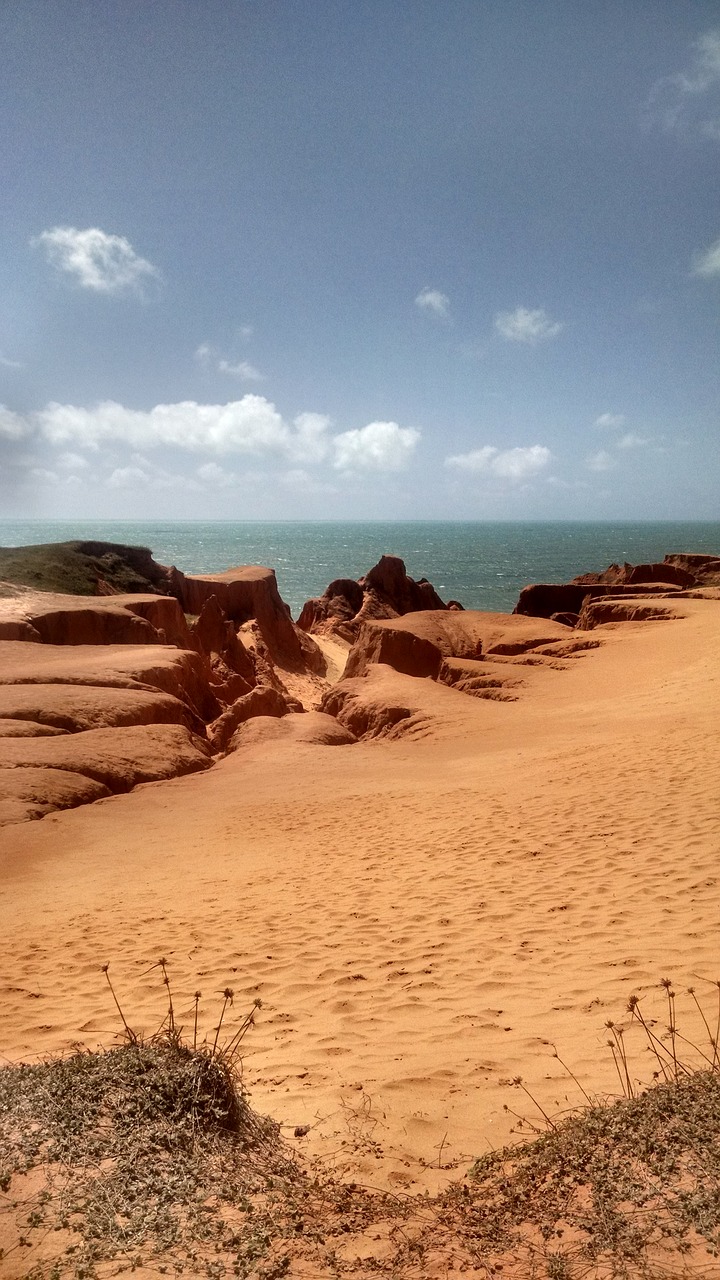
{"type": "Point", "coordinates": [483, 565]}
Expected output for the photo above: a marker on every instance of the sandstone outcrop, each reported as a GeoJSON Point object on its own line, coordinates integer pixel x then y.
{"type": "Point", "coordinates": [389, 581]}
{"type": "Point", "coordinates": [111, 571]}
{"type": "Point", "coordinates": [387, 705]}
{"type": "Point", "coordinates": [479, 679]}
{"type": "Point", "coordinates": [103, 689]}
{"type": "Point", "coordinates": [470, 652]}
{"type": "Point", "coordinates": [367, 707]}
{"type": "Point", "coordinates": [232, 670]}
{"type": "Point", "coordinates": [119, 758]}
{"type": "Point", "coordinates": [51, 618]}
{"type": "Point", "coordinates": [385, 592]}
{"type": "Point", "coordinates": [27, 729]}
{"type": "Point", "coordinates": [250, 592]}
{"type": "Point", "coordinates": [553, 600]}
{"type": "Point", "coordinates": [177, 672]}
{"type": "Point", "coordinates": [27, 793]}
{"type": "Point", "coordinates": [264, 701]}
{"type": "Point", "coordinates": [565, 601]}
{"type": "Point", "coordinates": [71, 708]}
{"type": "Point", "coordinates": [93, 763]}
{"type": "Point", "coordinates": [597, 613]}
{"type": "Point", "coordinates": [705, 569]}
{"type": "Point", "coordinates": [417, 643]}
{"type": "Point", "coordinates": [396, 647]}
{"type": "Point", "coordinates": [101, 693]}
{"type": "Point", "coordinates": [315, 729]}
{"type": "Point", "coordinates": [78, 722]}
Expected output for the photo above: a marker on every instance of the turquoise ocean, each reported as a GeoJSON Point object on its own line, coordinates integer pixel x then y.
{"type": "Point", "coordinates": [483, 565]}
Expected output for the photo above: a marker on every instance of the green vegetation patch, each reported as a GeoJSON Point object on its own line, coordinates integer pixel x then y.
{"type": "Point", "coordinates": [138, 1145]}
{"type": "Point", "coordinates": [148, 1157]}
{"type": "Point", "coordinates": [83, 568]}
{"type": "Point", "coordinates": [608, 1191]}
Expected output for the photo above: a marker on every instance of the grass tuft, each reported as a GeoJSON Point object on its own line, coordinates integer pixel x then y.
{"type": "Point", "coordinates": [146, 1149]}
{"type": "Point", "coordinates": [151, 1158]}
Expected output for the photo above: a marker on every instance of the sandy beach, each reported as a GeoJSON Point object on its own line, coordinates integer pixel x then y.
{"type": "Point", "coordinates": [422, 919]}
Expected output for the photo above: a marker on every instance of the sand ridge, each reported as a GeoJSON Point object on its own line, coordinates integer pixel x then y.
{"type": "Point", "coordinates": [422, 918]}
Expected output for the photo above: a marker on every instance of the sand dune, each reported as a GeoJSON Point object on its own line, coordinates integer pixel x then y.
{"type": "Point", "coordinates": [422, 918]}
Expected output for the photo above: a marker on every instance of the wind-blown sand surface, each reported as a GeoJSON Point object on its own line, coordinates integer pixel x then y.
{"type": "Point", "coordinates": [421, 918]}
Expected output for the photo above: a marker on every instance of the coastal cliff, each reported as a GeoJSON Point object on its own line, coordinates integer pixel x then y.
{"type": "Point", "coordinates": [103, 688]}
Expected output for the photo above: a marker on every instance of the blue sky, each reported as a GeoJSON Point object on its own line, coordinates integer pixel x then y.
{"type": "Point", "coordinates": [388, 258]}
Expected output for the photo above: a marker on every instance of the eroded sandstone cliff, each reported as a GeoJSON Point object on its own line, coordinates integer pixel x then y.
{"type": "Point", "coordinates": [105, 689]}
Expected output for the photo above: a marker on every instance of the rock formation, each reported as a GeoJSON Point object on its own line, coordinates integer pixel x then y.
{"type": "Point", "coordinates": [114, 571]}
{"type": "Point", "coordinates": [316, 729]}
{"type": "Point", "coordinates": [385, 592]}
{"type": "Point", "coordinates": [381, 693]}
{"type": "Point", "coordinates": [82, 722]}
{"type": "Point", "coordinates": [565, 602]}
{"type": "Point", "coordinates": [250, 593]}
{"type": "Point", "coordinates": [259, 702]}
{"type": "Point", "coordinates": [107, 687]}
{"type": "Point", "coordinates": [104, 689]}
{"type": "Point", "coordinates": [597, 613]}
{"type": "Point", "coordinates": [51, 618]}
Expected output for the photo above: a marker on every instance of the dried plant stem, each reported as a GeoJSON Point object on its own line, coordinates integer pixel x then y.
{"type": "Point", "coordinates": [621, 1059]}
{"type": "Point", "coordinates": [162, 964]}
{"type": "Point", "coordinates": [228, 994]}
{"type": "Point", "coordinates": [667, 984]}
{"type": "Point", "coordinates": [717, 1024]}
{"type": "Point", "coordinates": [572, 1075]}
{"type": "Point", "coordinates": [617, 1067]}
{"type": "Point", "coordinates": [231, 1048]}
{"type": "Point", "coordinates": [197, 1001]}
{"type": "Point", "coordinates": [713, 1041]}
{"type": "Point", "coordinates": [519, 1084]}
{"type": "Point", "coordinates": [132, 1037]}
{"type": "Point", "coordinates": [655, 1044]}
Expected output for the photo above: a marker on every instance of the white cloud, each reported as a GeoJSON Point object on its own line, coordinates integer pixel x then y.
{"type": "Point", "coordinates": [98, 261]}
{"type": "Point", "coordinates": [207, 355]}
{"type": "Point", "coordinates": [601, 461]}
{"type": "Point", "coordinates": [435, 301]}
{"type": "Point", "coordinates": [300, 481]}
{"type": "Point", "coordinates": [241, 369]}
{"type": "Point", "coordinates": [380, 446]}
{"type": "Point", "coordinates": [682, 97]}
{"type": "Point", "coordinates": [507, 464]}
{"type": "Point", "coordinates": [204, 353]}
{"type": "Point", "coordinates": [708, 263]}
{"type": "Point", "coordinates": [567, 486]}
{"type": "Point", "coordinates": [44, 476]}
{"type": "Point", "coordinates": [12, 425]}
{"type": "Point", "coordinates": [212, 474]}
{"type": "Point", "coordinates": [632, 441]}
{"type": "Point", "coordinates": [72, 462]}
{"type": "Point", "coordinates": [251, 425]}
{"type": "Point", "coordinates": [143, 473]}
{"type": "Point", "coordinates": [128, 478]}
{"type": "Point", "coordinates": [478, 460]}
{"type": "Point", "coordinates": [10, 364]}
{"type": "Point", "coordinates": [311, 443]}
{"type": "Point", "coordinates": [612, 420]}
{"type": "Point", "coordinates": [705, 71]}
{"type": "Point", "coordinates": [523, 325]}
